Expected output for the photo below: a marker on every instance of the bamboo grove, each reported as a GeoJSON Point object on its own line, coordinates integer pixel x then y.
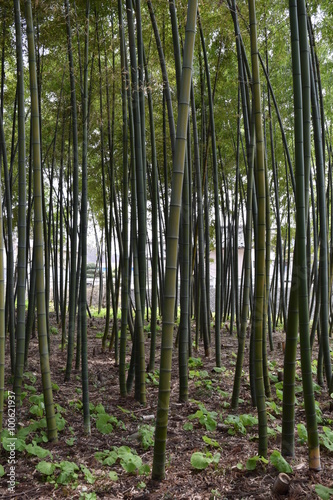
{"type": "Point", "coordinates": [174, 129]}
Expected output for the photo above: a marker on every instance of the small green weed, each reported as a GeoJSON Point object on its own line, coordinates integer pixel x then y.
{"type": "Point", "coordinates": [201, 460]}
{"type": "Point", "coordinates": [153, 377]}
{"type": "Point", "coordinates": [252, 462]}
{"type": "Point", "coordinates": [279, 462]}
{"type": "Point", "coordinates": [205, 417]}
{"type": "Point", "coordinates": [276, 459]}
{"type": "Point", "coordinates": [239, 423]}
{"type": "Point", "coordinates": [326, 439]}
{"type": "Point", "coordinates": [54, 330]}
{"type": "Point", "coordinates": [146, 435]}
{"type": "Point", "coordinates": [70, 441]}
{"type": "Point", "coordinates": [202, 374]}
{"type": "Point", "coordinates": [129, 459]}
{"type": "Point", "coordinates": [29, 437]}
{"type": "Point", "coordinates": [211, 442]}
{"type": "Point", "coordinates": [214, 494]}
{"type": "Point", "coordinates": [219, 369]}
{"type": "Point", "coordinates": [62, 473]}
{"type": "Point", "coordinates": [194, 363]}
{"type": "Point", "coordinates": [88, 476]}
{"type": "Point", "coordinates": [324, 492]}
{"type": "Point", "coordinates": [104, 421]}
{"type": "Point", "coordinates": [275, 409]}
{"type": "Point", "coordinates": [31, 377]}
{"type": "Point", "coordinates": [88, 496]}
{"type": "Point", "coordinates": [302, 433]}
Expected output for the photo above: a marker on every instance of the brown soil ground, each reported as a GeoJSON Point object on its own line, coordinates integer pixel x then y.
{"type": "Point", "coordinates": [226, 480]}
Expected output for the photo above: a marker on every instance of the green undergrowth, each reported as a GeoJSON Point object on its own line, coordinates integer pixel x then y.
{"type": "Point", "coordinates": [31, 440]}
{"type": "Point", "coordinates": [275, 459]}
{"type": "Point", "coordinates": [128, 458]}
{"type": "Point", "coordinates": [64, 473]}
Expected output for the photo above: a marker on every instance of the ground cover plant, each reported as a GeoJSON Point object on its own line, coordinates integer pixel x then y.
{"type": "Point", "coordinates": [211, 448]}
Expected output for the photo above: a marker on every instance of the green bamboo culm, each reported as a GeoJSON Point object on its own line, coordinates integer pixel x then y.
{"type": "Point", "coordinates": [130, 375]}
{"type": "Point", "coordinates": [261, 234]}
{"type": "Point", "coordinates": [185, 236]}
{"type": "Point", "coordinates": [2, 318]}
{"type": "Point", "coordinates": [250, 150]}
{"type": "Point", "coordinates": [288, 407]}
{"type": "Point", "coordinates": [137, 365]}
{"type": "Point", "coordinates": [73, 258]}
{"type": "Point", "coordinates": [8, 222]}
{"type": "Point", "coordinates": [139, 197]}
{"type": "Point", "coordinates": [9, 317]}
{"type": "Point", "coordinates": [218, 239]}
{"type": "Point", "coordinates": [2, 315]}
{"type": "Point", "coordinates": [204, 323]}
{"type": "Point", "coordinates": [301, 84]}
{"type": "Point", "coordinates": [166, 86]}
{"type": "Point", "coordinates": [158, 471]}
{"type": "Point", "coordinates": [323, 244]}
{"type": "Point", "coordinates": [125, 262]}
{"type": "Point", "coordinates": [105, 198]}
{"type": "Point", "coordinates": [139, 346]}
{"type": "Point", "coordinates": [38, 233]}
{"type": "Point", "coordinates": [154, 207]}
{"type": "Point", "coordinates": [21, 276]}
{"type": "Point", "coordinates": [139, 147]}
{"type": "Point", "coordinates": [247, 276]}
{"type": "Point", "coordinates": [185, 248]}
{"type": "Point", "coordinates": [83, 235]}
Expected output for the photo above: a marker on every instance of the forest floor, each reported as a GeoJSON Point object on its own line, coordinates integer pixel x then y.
{"type": "Point", "coordinates": [225, 432]}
